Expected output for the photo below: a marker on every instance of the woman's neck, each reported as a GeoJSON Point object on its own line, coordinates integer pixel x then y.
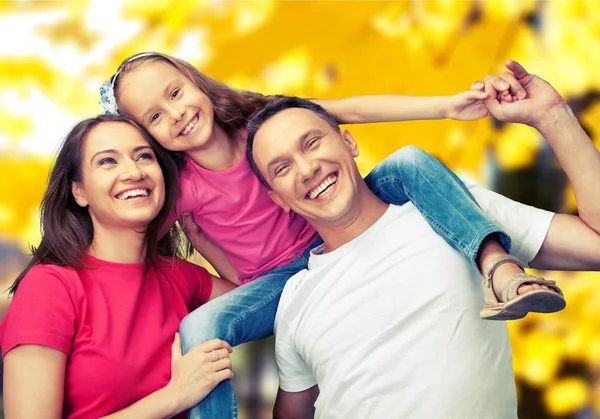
{"type": "Point", "coordinates": [221, 151]}
{"type": "Point", "coordinates": [118, 245]}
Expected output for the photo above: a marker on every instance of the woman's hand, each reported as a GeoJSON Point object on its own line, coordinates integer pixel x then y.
{"type": "Point", "coordinates": [196, 373]}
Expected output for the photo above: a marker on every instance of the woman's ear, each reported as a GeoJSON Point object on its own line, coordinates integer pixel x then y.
{"type": "Point", "coordinates": [78, 194]}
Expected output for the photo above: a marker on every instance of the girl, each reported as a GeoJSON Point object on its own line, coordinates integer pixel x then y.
{"type": "Point", "coordinates": [245, 236]}
{"type": "Point", "coordinates": [77, 335]}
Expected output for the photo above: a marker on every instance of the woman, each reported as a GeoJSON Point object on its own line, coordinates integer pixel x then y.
{"type": "Point", "coordinates": [91, 331]}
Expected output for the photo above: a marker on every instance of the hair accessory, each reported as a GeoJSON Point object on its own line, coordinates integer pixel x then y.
{"type": "Point", "coordinates": [107, 99]}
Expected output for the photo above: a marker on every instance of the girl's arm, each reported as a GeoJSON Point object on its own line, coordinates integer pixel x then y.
{"type": "Point", "coordinates": [464, 106]}
{"type": "Point", "coordinates": [389, 108]}
{"type": "Point", "coordinates": [208, 249]}
{"type": "Point", "coordinates": [220, 287]}
{"type": "Point", "coordinates": [34, 380]}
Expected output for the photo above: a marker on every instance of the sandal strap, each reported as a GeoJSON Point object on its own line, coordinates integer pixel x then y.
{"type": "Point", "coordinates": [489, 270]}
{"type": "Point", "coordinates": [488, 274]}
{"type": "Point", "coordinates": [510, 291]}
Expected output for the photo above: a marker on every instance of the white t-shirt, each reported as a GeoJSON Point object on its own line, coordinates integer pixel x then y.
{"type": "Point", "coordinates": [388, 324]}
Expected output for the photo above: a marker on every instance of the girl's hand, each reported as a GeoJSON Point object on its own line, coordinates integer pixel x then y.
{"type": "Point", "coordinates": [469, 105]}
{"type": "Point", "coordinates": [188, 225]}
{"type": "Point", "coordinates": [196, 373]}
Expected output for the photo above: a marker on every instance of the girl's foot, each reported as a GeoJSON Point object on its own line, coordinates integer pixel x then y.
{"type": "Point", "coordinates": [510, 293]}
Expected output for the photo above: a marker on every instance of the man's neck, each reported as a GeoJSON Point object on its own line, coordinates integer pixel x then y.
{"type": "Point", "coordinates": [366, 211]}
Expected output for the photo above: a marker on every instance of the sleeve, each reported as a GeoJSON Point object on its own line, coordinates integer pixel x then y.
{"type": "Point", "coordinates": [199, 283]}
{"type": "Point", "coordinates": [294, 374]}
{"type": "Point", "coordinates": [186, 201]}
{"type": "Point", "coordinates": [527, 226]}
{"type": "Point", "coordinates": [41, 312]}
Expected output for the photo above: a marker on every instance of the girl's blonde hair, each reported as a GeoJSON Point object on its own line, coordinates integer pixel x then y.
{"type": "Point", "coordinates": [232, 108]}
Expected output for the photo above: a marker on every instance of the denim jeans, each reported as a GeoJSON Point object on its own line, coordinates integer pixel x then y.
{"type": "Point", "coordinates": [248, 312]}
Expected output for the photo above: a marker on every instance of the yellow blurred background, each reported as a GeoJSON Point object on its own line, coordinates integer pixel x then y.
{"type": "Point", "coordinates": [55, 54]}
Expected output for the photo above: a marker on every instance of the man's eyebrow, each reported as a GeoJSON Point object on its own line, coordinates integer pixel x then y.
{"type": "Point", "coordinates": [300, 138]}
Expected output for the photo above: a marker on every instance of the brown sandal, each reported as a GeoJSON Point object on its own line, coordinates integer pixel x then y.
{"type": "Point", "coordinates": [513, 305]}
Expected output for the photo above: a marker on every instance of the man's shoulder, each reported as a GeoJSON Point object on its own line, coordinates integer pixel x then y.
{"type": "Point", "coordinates": [292, 297]}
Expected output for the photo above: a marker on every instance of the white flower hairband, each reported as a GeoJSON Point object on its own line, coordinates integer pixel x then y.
{"type": "Point", "coordinates": [108, 101]}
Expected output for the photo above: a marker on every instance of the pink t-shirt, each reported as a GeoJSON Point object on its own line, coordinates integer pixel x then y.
{"type": "Point", "coordinates": [235, 211]}
{"type": "Point", "coordinates": [116, 323]}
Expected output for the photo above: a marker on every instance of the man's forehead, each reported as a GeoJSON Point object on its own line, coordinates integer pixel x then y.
{"type": "Point", "coordinates": [292, 122]}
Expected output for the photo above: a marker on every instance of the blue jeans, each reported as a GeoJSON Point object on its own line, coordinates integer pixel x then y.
{"type": "Point", "coordinates": [248, 312]}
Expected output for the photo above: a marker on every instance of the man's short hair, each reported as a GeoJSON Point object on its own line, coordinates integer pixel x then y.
{"type": "Point", "coordinates": [273, 109]}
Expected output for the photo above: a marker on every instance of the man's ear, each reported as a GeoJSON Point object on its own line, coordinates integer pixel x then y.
{"type": "Point", "coordinates": [277, 199]}
{"type": "Point", "coordinates": [350, 143]}
{"type": "Point", "coordinates": [78, 194]}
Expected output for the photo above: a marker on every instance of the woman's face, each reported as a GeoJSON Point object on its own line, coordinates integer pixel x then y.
{"type": "Point", "coordinates": [173, 110]}
{"type": "Point", "coordinates": [121, 181]}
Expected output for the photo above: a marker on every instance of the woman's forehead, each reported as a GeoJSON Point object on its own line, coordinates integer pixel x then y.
{"type": "Point", "coordinates": [114, 135]}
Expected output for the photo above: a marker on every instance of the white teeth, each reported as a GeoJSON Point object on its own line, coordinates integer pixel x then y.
{"type": "Point", "coordinates": [190, 126]}
{"type": "Point", "coordinates": [322, 187]}
{"type": "Point", "coordinates": [132, 194]}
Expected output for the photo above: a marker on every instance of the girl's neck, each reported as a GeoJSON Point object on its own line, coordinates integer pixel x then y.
{"type": "Point", "coordinates": [221, 151]}
{"type": "Point", "coordinates": [118, 245]}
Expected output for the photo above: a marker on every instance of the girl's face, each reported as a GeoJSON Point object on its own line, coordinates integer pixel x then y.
{"type": "Point", "coordinates": [175, 112]}
{"type": "Point", "coordinates": [122, 183]}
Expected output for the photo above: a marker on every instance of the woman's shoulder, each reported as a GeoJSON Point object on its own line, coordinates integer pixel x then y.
{"type": "Point", "coordinates": [47, 277]}
{"type": "Point", "coordinates": [43, 270]}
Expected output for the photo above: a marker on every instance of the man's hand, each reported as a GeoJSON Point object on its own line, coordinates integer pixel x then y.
{"type": "Point", "coordinates": [537, 105]}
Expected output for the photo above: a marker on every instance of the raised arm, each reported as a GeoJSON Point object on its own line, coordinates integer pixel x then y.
{"type": "Point", "coordinates": [572, 242]}
{"type": "Point", "coordinates": [299, 405]}
{"type": "Point", "coordinates": [579, 158]}
{"type": "Point", "coordinates": [464, 106]}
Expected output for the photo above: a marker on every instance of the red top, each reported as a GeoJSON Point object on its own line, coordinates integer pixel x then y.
{"type": "Point", "coordinates": [116, 322]}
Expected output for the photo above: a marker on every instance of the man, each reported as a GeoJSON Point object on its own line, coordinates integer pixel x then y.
{"type": "Point", "coordinates": [383, 323]}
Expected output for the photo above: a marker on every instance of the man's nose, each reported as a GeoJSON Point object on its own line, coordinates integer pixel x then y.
{"type": "Point", "coordinates": [307, 168]}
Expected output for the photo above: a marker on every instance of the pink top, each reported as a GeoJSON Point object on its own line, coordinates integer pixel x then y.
{"type": "Point", "coordinates": [116, 323]}
{"type": "Point", "coordinates": [235, 211]}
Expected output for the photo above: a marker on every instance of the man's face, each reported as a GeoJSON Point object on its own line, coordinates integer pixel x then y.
{"type": "Point", "coordinates": [308, 164]}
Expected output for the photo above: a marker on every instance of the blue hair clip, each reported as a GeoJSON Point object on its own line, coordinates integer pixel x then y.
{"type": "Point", "coordinates": [107, 99]}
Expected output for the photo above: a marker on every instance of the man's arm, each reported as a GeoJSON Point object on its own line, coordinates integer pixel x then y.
{"type": "Point", "coordinates": [570, 245]}
{"type": "Point", "coordinates": [545, 110]}
{"type": "Point", "coordinates": [572, 242]}
{"type": "Point", "coordinates": [579, 158]}
{"type": "Point", "coordinates": [542, 239]}
{"type": "Point", "coordinates": [299, 405]}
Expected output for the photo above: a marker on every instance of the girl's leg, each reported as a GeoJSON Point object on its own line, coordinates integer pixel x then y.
{"type": "Point", "coordinates": [243, 314]}
{"type": "Point", "coordinates": [411, 174]}
{"type": "Point", "coordinates": [446, 203]}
